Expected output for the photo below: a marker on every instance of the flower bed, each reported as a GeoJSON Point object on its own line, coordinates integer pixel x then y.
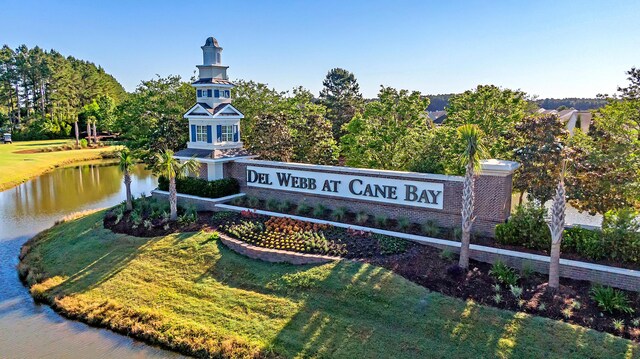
{"type": "Point", "coordinates": [304, 237]}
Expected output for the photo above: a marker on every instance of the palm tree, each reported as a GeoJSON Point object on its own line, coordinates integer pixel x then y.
{"type": "Point", "coordinates": [77, 134]}
{"type": "Point", "coordinates": [167, 165]}
{"type": "Point", "coordinates": [470, 135]}
{"type": "Point", "coordinates": [126, 162]}
{"type": "Point", "coordinates": [556, 226]}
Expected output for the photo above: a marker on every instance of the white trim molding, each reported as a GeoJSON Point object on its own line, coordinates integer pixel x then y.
{"type": "Point", "coordinates": [363, 171]}
{"type": "Point", "coordinates": [495, 167]}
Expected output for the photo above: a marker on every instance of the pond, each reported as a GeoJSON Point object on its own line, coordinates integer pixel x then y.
{"type": "Point", "coordinates": [28, 330]}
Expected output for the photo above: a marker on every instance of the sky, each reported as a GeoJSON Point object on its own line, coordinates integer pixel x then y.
{"type": "Point", "coordinates": [545, 48]}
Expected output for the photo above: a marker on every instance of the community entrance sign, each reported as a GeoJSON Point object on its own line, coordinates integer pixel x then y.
{"type": "Point", "coordinates": [377, 189]}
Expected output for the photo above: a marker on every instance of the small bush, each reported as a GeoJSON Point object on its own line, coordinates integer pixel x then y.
{"type": "Point", "coordinates": [504, 274]}
{"type": "Point", "coordinates": [338, 214]}
{"type": "Point", "coordinates": [201, 187]}
{"type": "Point", "coordinates": [430, 228]}
{"type": "Point", "coordinates": [381, 221]}
{"type": "Point", "coordinates": [223, 215]}
{"type": "Point", "coordinates": [84, 143]}
{"type": "Point", "coordinates": [362, 218]}
{"type": "Point", "coordinates": [318, 210]}
{"type": "Point", "coordinates": [587, 243]}
{"type": "Point", "coordinates": [303, 208]}
{"type": "Point", "coordinates": [456, 234]}
{"type": "Point", "coordinates": [272, 204]}
{"type": "Point", "coordinates": [253, 202]}
{"type": "Point", "coordinates": [610, 300]}
{"type": "Point", "coordinates": [526, 270]}
{"type": "Point", "coordinates": [403, 223]}
{"type": "Point", "coordinates": [620, 235]}
{"type": "Point", "coordinates": [239, 201]}
{"type": "Point", "coordinates": [284, 206]}
{"type": "Point", "coordinates": [526, 227]}
{"type": "Point", "coordinates": [447, 255]}
{"type": "Point", "coordinates": [515, 291]}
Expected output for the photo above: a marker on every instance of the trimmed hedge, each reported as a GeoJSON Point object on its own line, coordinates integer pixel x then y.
{"type": "Point", "coordinates": [202, 188]}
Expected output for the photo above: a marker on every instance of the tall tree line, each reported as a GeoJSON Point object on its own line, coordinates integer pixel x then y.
{"type": "Point", "coordinates": [42, 93]}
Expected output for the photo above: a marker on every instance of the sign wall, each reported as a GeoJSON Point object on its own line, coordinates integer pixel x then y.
{"type": "Point", "coordinates": [361, 187]}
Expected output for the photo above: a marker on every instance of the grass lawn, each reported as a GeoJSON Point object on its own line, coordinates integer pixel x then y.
{"type": "Point", "coordinates": [190, 293]}
{"type": "Point", "coordinates": [16, 168]}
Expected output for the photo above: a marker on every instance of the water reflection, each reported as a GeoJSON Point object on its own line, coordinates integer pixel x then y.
{"type": "Point", "coordinates": [34, 331]}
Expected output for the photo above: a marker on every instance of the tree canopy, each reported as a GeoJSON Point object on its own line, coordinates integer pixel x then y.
{"type": "Point", "coordinates": [42, 92]}
{"type": "Point", "coordinates": [342, 98]}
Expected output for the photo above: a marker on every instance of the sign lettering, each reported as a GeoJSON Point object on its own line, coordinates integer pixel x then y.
{"type": "Point", "coordinates": [362, 187]}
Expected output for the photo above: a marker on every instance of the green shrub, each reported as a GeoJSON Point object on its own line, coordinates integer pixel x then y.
{"type": "Point", "coordinates": [381, 221]}
{"type": "Point", "coordinates": [585, 242]}
{"type": "Point", "coordinates": [318, 210]}
{"type": "Point", "coordinates": [447, 255]}
{"type": "Point", "coordinates": [338, 214]}
{"type": "Point", "coordinates": [620, 235]}
{"type": "Point", "coordinates": [526, 227]}
{"type": "Point", "coordinates": [504, 274]}
{"type": "Point", "coordinates": [303, 208]}
{"type": "Point", "coordinates": [84, 143]}
{"type": "Point", "coordinates": [456, 234]}
{"type": "Point", "coordinates": [362, 218]}
{"type": "Point", "coordinates": [403, 223]}
{"type": "Point", "coordinates": [223, 215]}
{"type": "Point", "coordinates": [201, 187]}
{"type": "Point", "coordinates": [610, 299]}
{"type": "Point", "coordinates": [430, 228]}
{"type": "Point", "coordinates": [272, 204]}
{"type": "Point", "coordinates": [284, 206]}
{"type": "Point", "coordinates": [239, 201]}
{"type": "Point", "coordinates": [253, 202]}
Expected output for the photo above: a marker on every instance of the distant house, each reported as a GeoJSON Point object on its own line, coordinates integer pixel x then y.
{"type": "Point", "coordinates": [437, 117]}
{"type": "Point", "coordinates": [571, 117]}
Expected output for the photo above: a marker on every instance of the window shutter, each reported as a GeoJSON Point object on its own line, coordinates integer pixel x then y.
{"type": "Point", "coordinates": [219, 132]}
{"type": "Point", "coordinates": [235, 133]}
{"type": "Point", "coordinates": [199, 93]}
{"type": "Point", "coordinates": [217, 93]}
{"type": "Point", "coordinates": [209, 135]}
{"type": "Point", "coordinates": [193, 133]}
{"type": "Point", "coordinates": [209, 93]}
{"type": "Point", "coordinates": [227, 94]}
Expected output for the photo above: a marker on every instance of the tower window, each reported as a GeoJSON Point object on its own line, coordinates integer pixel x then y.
{"type": "Point", "coordinates": [227, 94]}
{"type": "Point", "coordinates": [218, 57]}
{"type": "Point", "coordinates": [216, 93]}
{"type": "Point", "coordinates": [201, 133]}
{"type": "Point", "coordinates": [199, 93]}
{"type": "Point", "coordinates": [227, 133]}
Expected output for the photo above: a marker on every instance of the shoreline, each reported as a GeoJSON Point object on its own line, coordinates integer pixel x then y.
{"type": "Point", "coordinates": [94, 154]}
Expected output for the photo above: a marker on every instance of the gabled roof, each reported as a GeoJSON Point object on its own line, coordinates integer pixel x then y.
{"type": "Point", "coordinates": [202, 109]}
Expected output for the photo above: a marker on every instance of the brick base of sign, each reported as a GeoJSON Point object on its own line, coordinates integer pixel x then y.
{"type": "Point", "coordinates": [273, 255]}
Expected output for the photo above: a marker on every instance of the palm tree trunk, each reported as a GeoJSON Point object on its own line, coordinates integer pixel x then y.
{"type": "Point", "coordinates": [88, 132]}
{"type": "Point", "coordinates": [557, 227]}
{"type": "Point", "coordinates": [127, 185]}
{"type": "Point", "coordinates": [467, 215]}
{"type": "Point", "coordinates": [95, 133]}
{"type": "Point", "coordinates": [173, 198]}
{"type": "Point", "coordinates": [77, 134]}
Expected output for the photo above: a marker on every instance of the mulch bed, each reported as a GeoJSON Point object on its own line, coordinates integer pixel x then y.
{"type": "Point", "coordinates": [429, 267]}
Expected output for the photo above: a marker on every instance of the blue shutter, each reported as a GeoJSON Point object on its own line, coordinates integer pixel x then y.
{"type": "Point", "coordinates": [199, 93]}
{"type": "Point", "coordinates": [227, 94]}
{"type": "Point", "coordinates": [209, 93]}
{"type": "Point", "coordinates": [219, 133]}
{"type": "Point", "coordinates": [235, 133]}
{"type": "Point", "coordinates": [209, 135]}
{"type": "Point", "coordinates": [217, 93]}
{"type": "Point", "coordinates": [193, 133]}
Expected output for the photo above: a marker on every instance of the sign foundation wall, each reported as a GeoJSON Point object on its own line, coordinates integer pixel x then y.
{"type": "Point", "coordinates": [416, 196]}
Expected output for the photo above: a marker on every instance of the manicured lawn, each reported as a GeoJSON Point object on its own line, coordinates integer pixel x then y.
{"type": "Point", "coordinates": [191, 293]}
{"type": "Point", "coordinates": [16, 168]}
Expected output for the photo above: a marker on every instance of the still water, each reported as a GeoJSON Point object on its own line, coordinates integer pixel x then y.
{"type": "Point", "coordinates": [28, 330]}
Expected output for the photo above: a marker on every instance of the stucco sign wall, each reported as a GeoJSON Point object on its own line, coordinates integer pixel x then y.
{"type": "Point", "coordinates": [361, 187]}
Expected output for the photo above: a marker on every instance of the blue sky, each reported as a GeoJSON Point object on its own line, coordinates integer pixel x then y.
{"type": "Point", "coordinates": [546, 48]}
